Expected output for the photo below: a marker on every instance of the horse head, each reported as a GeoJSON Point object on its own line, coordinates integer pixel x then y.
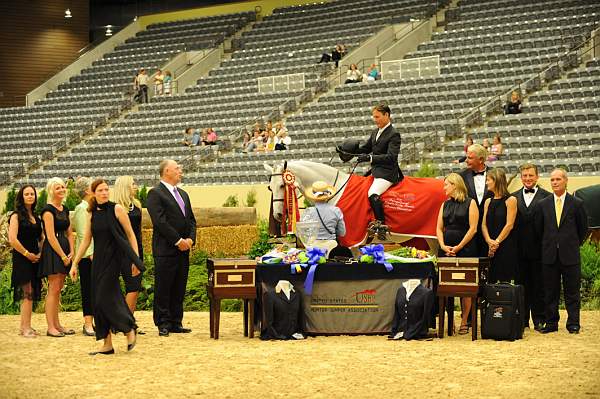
{"type": "Point", "coordinates": [276, 187]}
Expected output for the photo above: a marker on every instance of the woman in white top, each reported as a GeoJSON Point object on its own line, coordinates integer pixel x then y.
{"type": "Point", "coordinates": [158, 83]}
{"type": "Point", "coordinates": [353, 75]}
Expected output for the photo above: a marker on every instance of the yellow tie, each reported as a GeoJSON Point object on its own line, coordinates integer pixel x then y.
{"type": "Point", "coordinates": [558, 209]}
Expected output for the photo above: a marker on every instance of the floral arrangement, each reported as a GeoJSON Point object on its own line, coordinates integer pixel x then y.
{"type": "Point", "coordinates": [284, 254]}
{"type": "Point", "coordinates": [410, 252]}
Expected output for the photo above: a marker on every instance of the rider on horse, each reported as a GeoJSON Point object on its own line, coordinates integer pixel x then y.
{"type": "Point", "coordinates": [381, 150]}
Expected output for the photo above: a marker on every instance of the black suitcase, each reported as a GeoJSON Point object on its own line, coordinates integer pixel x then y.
{"type": "Point", "coordinates": [502, 311]}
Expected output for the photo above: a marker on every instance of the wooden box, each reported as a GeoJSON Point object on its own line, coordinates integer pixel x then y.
{"type": "Point", "coordinates": [461, 275]}
{"type": "Point", "coordinates": [231, 278]}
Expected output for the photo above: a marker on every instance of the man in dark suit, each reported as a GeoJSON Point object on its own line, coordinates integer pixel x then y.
{"type": "Point", "coordinates": [474, 176]}
{"type": "Point", "coordinates": [530, 251]}
{"type": "Point", "coordinates": [562, 223]}
{"type": "Point", "coordinates": [381, 150]}
{"type": "Point", "coordinates": [173, 235]}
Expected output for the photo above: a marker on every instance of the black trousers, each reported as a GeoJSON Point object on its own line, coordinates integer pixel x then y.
{"type": "Point", "coordinates": [143, 93]}
{"type": "Point", "coordinates": [170, 280]}
{"type": "Point", "coordinates": [571, 283]}
{"type": "Point", "coordinates": [530, 275]}
{"type": "Point", "coordinates": [85, 279]}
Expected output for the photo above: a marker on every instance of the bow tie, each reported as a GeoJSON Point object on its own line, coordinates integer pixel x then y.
{"type": "Point", "coordinates": [529, 190]}
{"type": "Point", "coordinates": [478, 173]}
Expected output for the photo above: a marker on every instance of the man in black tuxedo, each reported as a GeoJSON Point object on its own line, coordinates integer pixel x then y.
{"type": "Point", "coordinates": [381, 150]}
{"type": "Point", "coordinates": [563, 225]}
{"type": "Point", "coordinates": [173, 235]}
{"type": "Point", "coordinates": [474, 177]}
{"type": "Point", "coordinates": [530, 251]}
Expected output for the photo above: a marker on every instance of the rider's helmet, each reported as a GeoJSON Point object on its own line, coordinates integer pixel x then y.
{"type": "Point", "coordinates": [348, 149]}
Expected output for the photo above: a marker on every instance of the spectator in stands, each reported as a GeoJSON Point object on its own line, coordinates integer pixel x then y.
{"type": "Point", "coordinates": [159, 79]}
{"type": "Point", "coordinates": [136, 88]}
{"type": "Point", "coordinates": [353, 75]}
{"type": "Point", "coordinates": [256, 142]}
{"type": "Point", "coordinates": [168, 82]}
{"type": "Point", "coordinates": [24, 236]}
{"type": "Point", "coordinates": [468, 142]}
{"type": "Point", "coordinates": [338, 53]}
{"type": "Point", "coordinates": [82, 185]}
{"type": "Point", "coordinates": [57, 253]}
{"type": "Point", "coordinates": [187, 136]}
{"type": "Point", "coordinates": [204, 137]}
{"type": "Point", "coordinates": [514, 105]}
{"type": "Point", "coordinates": [486, 144]}
{"type": "Point", "coordinates": [245, 140]}
{"type": "Point", "coordinates": [271, 140]}
{"type": "Point", "coordinates": [372, 74]}
{"type": "Point", "coordinates": [211, 136]}
{"type": "Point", "coordinates": [496, 150]}
{"type": "Point", "coordinates": [142, 80]}
{"type": "Point", "coordinates": [282, 140]}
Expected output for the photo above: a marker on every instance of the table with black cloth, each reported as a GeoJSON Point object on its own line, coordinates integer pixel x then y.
{"type": "Point", "coordinates": [355, 298]}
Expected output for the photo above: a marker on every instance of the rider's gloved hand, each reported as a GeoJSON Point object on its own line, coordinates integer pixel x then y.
{"type": "Point", "coordinates": [364, 158]}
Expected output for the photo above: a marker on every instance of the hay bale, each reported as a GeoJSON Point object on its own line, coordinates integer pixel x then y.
{"type": "Point", "coordinates": [215, 217]}
{"type": "Point", "coordinates": [216, 240]}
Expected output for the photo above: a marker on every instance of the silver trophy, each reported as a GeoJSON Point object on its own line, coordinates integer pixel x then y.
{"type": "Point", "coordinates": [307, 232]}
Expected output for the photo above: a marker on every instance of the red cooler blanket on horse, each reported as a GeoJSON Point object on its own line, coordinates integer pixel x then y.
{"type": "Point", "coordinates": [411, 207]}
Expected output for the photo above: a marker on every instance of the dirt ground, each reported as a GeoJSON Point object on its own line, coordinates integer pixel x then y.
{"type": "Point", "coordinates": [193, 365]}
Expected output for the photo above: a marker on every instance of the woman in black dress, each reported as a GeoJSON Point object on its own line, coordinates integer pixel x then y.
{"type": "Point", "coordinates": [57, 252]}
{"type": "Point", "coordinates": [115, 245]}
{"type": "Point", "coordinates": [456, 227]}
{"type": "Point", "coordinates": [124, 194]}
{"type": "Point", "coordinates": [24, 236]}
{"type": "Point", "coordinates": [499, 219]}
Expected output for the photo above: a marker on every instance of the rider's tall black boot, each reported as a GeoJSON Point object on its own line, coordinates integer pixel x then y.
{"type": "Point", "coordinates": [378, 227]}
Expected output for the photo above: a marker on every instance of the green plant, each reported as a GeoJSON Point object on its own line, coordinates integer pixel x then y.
{"type": "Point", "coordinates": [261, 246]}
{"type": "Point", "coordinates": [231, 201]}
{"type": "Point", "coordinates": [42, 200]}
{"type": "Point", "coordinates": [307, 203]}
{"type": "Point", "coordinates": [7, 305]}
{"type": "Point", "coordinates": [590, 275]}
{"type": "Point", "coordinates": [251, 198]}
{"type": "Point", "coordinates": [11, 196]}
{"type": "Point", "coordinates": [72, 199]}
{"type": "Point", "coordinates": [142, 195]}
{"type": "Point", "coordinates": [427, 169]}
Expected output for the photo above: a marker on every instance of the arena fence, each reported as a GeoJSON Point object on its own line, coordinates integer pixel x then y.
{"type": "Point", "coordinates": [412, 68]}
{"type": "Point", "coordinates": [277, 83]}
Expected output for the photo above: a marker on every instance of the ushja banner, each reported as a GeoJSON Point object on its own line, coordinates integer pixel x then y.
{"type": "Point", "coordinates": [411, 207]}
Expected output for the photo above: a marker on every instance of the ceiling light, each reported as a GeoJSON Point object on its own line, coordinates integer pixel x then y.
{"type": "Point", "coordinates": [68, 13]}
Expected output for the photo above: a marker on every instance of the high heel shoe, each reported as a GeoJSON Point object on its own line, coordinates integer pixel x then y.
{"type": "Point", "coordinates": [88, 333]}
{"type": "Point", "coordinates": [108, 352]}
{"type": "Point", "coordinates": [130, 346]}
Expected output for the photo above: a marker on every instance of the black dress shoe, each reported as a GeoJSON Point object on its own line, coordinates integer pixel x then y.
{"type": "Point", "coordinates": [538, 327]}
{"type": "Point", "coordinates": [130, 346]}
{"type": "Point", "coordinates": [573, 330]}
{"type": "Point", "coordinates": [180, 330]}
{"type": "Point", "coordinates": [108, 352]}
{"type": "Point", "coordinates": [163, 332]}
{"type": "Point", "coordinates": [548, 329]}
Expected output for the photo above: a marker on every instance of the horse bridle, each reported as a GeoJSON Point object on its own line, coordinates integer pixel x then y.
{"type": "Point", "coordinates": [337, 175]}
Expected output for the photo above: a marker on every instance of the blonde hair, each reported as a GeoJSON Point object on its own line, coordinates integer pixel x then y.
{"type": "Point", "coordinates": [460, 193]}
{"type": "Point", "coordinates": [50, 187]}
{"type": "Point", "coordinates": [499, 178]}
{"type": "Point", "coordinates": [122, 193]}
{"type": "Point", "coordinates": [479, 151]}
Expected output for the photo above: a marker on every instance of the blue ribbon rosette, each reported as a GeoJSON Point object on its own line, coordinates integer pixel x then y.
{"type": "Point", "coordinates": [378, 254]}
{"type": "Point", "coordinates": [315, 256]}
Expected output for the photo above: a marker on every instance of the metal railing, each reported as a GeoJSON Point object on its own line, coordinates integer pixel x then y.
{"type": "Point", "coordinates": [552, 71]}
{"type": "Point", "coordinates": [411, 68]}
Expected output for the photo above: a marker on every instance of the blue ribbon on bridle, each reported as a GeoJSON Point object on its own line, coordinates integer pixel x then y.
{"type": "Point", "coordinates": [313, 254]}
{"type": "Point", "coordinates": [378, 254]}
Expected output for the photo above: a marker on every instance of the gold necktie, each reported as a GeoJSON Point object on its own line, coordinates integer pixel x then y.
{"type": "Point", "coordinates": [558, 210]}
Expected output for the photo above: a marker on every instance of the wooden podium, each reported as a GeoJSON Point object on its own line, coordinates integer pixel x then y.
{"type": "Point", "coordinates": [460, 277]}
{"type": "Point", "coordinates": [231, 278]}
